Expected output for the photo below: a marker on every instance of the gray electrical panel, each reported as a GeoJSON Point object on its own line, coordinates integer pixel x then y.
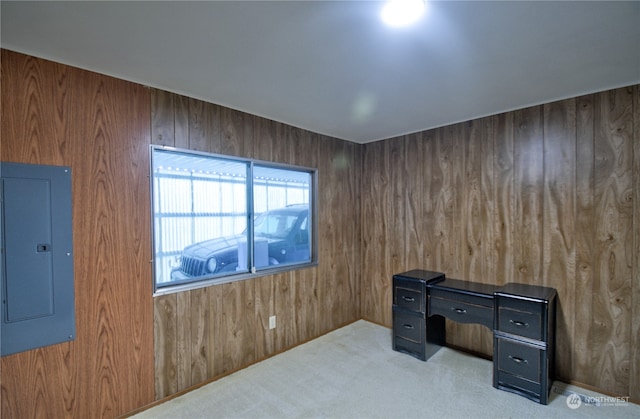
{"type": "Point", "coordinates": [38, 303]}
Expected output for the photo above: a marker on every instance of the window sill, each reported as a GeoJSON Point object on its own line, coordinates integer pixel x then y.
{"type": "Point", "coordinates": [172, 289]}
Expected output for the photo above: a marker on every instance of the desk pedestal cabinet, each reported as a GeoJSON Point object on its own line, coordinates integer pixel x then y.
{"type": "Point", "coordinates": [524, 340]}
{"type": "Point", "coordinates": [522, 318]}
{"type": "Point", "coordinates": [410, 320]}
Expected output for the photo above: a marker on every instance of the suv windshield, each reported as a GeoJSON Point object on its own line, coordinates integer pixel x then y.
{"type": "Point", "coordinates": [275, 225]}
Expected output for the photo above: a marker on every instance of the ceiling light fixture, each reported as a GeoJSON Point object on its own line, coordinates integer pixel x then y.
{"type": "Point", "coordinates": [402, 12]}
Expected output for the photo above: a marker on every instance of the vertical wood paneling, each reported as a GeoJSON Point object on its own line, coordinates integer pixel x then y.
{"type": "Point", "coordinates": [559, 215]}
{"type": "Point", "coordinates": [487, 207]}
{"type": "Point", "coordinates": [168, 121]}
{"type": "Point", "coordinates": [181, 121]}
{"type": "Point", "coordinates": [39, 107]}
{"type": "Point", "coordinates": [430, 183]}
{"type": "Point", "coordinates": [475, 214]}
{"type": "Point", "coordinates": [545, 195]}
{"type": "Point", "coordinates": [183, 340]}
{"type": "Point", "coordinates": [232, 126]}
{"type": "Point", "coordinates": [503, 181]}
{"type": "Point", "coordinates": [439, 188]}
{"type": "Point", "coordinates": [613, 203]}
{"type": "Point", "coordinates": [233, 334]}
{"type": "Point", "coordinates": [634, 372]}
{"type": "Point", "coordinates": [350, 302]}
{"type": "Point", "coordinates": [265, 306]}
{"type": "Point", "coordinates": [471, 211]}
{"type": "Point", "coordinates": [198, 334]}
{"type": "Point", "coordinates": [327, 235]}
{"type": "Point", "coordinates": [584, 242]}
{"type": "Point", "coordinates": [334, 236]}
{"type": "Point", "coordinates": [411, 167]}
{"type": "Point", "coordinates": [165, 345]}
{"type": "Point", "coordinates": [238, 311]}
{"type": "Point", "coordinates": [54, 114]}
{"type": "Point", "coordinates": [248, 138]}
{"type": "Point", "coordinates": [104, 162]}
{"type": "Point", "coordinates": [455, 256]}
{"type": "Point", "coordinates": [376, 295]}
{"type": "Point", "coordinates": [222, 328]}
{"type": "Point", "coordinates": [455, 135]}
{"type": "Point", "coordinates": [304, 152]}
{"type": "Point", "coordinates": [399, 203]}
{"type": "Point", "coordinates": [280, 145]}
{"type": "Point", "coordinates": [450, 162]}
{"type": "Point", "coordinates": [162, 118]}
{"type": "Point", "coordinates": [263, 140]}
{"type": "Point", "coordinates": [36, 103]}
{"type": "Point", "coordinates": [215, 360]}
{"type": "Point", "coordinates": [204, 126]}
{"type": "Point", "coordinates": [285, 307]}
{"type": "Point", "coordinates": [528, 182]}
{"type": "Point", "coordinates": [450, 166]}
{"type": "Point", "coordinates": [200, 339]}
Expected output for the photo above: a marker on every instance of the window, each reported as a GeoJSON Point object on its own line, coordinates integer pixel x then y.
{"type": "Point", "coordinates": [219, 218]}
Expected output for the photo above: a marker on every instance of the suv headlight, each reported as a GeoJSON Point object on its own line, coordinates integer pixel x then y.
{"type": "Point", "coordinates": [212, 264]}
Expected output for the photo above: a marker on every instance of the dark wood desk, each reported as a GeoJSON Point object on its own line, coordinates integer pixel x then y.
{"type": "Point", "coordinates": [521, 317]}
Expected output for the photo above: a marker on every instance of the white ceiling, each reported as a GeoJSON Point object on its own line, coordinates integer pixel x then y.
{"type": "Point", "coordinates": [332, 67]}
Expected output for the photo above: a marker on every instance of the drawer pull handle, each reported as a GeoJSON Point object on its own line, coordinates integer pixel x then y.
{"type": "Point", "coordinates": [518, 360]}
{"type": "Point", "coordinates": [409, 299]}
{"type": "Point", "coordinates": [459, 310]}
{"type": "Point", "coordinates": [518, 323]}
{"type": "Point", "coordinates": [408, 326]}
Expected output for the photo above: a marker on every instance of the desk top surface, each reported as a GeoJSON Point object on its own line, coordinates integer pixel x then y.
{"type": "Point", "coordinates": [420, 274]}
{"type": "Point", "coordinates": [526, 291]}
{"type": "Point", "coordinates": [468, 287]}
{"type": "Point", "coordinates": [438, 281]}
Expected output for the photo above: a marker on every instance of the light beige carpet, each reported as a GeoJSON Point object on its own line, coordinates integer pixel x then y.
{"type": "Point", "coordinates": [352, 372]}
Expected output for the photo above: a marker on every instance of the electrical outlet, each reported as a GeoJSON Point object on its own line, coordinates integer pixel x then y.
{"type": "Point", "coordinates": [272, 322]}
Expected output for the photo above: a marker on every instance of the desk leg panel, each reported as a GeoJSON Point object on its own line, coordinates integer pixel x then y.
{"type": "Point", "coordinates": [436, 330]}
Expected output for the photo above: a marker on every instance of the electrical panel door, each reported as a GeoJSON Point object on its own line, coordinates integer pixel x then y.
{"type": "Point", "coordinates": [37, 257]}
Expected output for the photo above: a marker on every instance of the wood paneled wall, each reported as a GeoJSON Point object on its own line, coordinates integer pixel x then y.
{"type": "Point", "coordinates": [548, 195]}
{"type": "Point", "coordinates": [207, 332]}
{"type": "Point", "coordinates": [57, 115]}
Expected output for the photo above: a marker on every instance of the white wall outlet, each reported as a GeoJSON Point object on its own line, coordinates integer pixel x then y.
{"type": "Point", "coordinates": [272, 322]}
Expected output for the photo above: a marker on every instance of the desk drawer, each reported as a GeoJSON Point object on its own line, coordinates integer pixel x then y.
{"type": "Point", "coordinates": [465, 297]}
{"type": "Point", "coordinates": [416, 349]}
{"type": "Point", "coordinates": [515, 384]}
{"type": "Point", "coordinates": [409, 295]}
{"type": "Point", "coordinates": [409, 333]}
{"type": "Point", "coordinates": [460, 311]}
{"type": "Point", "coordinates": [522, 323]}
{"type": "Point", "coordinates": [409, 326]}
{"type": "Point", "coordinates": [519, 359]}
